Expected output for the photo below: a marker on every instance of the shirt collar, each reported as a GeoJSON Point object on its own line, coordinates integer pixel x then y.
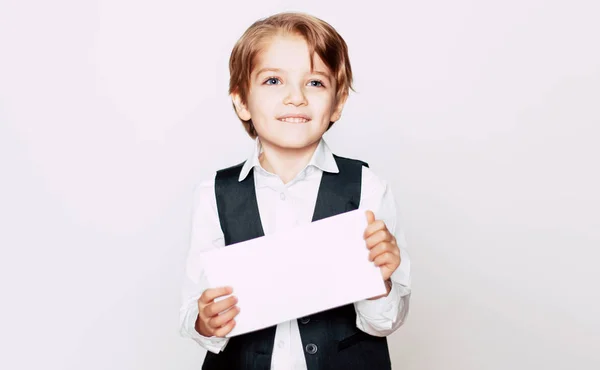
{"type": "Point", "coordinates": [322, 158]}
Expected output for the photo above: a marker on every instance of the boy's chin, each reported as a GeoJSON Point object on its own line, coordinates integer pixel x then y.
{"type": "Point", "coordinates": [295, 143]}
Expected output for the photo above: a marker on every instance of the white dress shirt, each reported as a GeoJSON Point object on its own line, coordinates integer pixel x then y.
{"type": "Point", "coordinates": [282, 206]}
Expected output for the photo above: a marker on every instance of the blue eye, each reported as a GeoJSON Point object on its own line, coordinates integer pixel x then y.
{"type": "Point", "coordinates": [316, 83]}
{"type": "Point", "coordinates": [272, 81]}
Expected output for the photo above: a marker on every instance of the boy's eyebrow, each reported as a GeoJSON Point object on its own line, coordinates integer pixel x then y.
{"type": "Point", "coordinates": [279, 70]}
{"type": "Point", "coordinates": [322, 73]}
{"type": "Point", "coordinates": [263, 70]}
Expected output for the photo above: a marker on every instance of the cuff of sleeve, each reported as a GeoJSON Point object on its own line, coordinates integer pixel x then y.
{"type": "Point", "coordinates": [383, 310]}
{"type": "Point", "coordinates": [212, 344]}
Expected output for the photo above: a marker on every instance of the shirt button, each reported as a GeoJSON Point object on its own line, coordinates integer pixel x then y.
{"type": "Point", "coordinates": [304, 320]}
{"type": "Point", "coordinates": [311, 348]}
{"type": "Point", "coordinates": [282, 196]}
{"type": "Point", "coordinates": [281, 344]}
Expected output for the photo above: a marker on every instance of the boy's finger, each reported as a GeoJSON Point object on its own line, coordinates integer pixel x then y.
{"type": "Point", "coordinates": [383, 259]}
{"type": "Point", "coordinates": [378, 237]}
{"type": "Point", "coordinates": [223, 331]}
{"type": "Point", "coordinates": [370, 217]}
{"type": "Point", "coordinates": [380, 248]}
{"type": "Point", "coordinates": [209, 295]}
{"type": "Point", "coordinates": [215, 308]}
{"type": "Point", "coordinates": [221, 320]}
{"type": "Point", "coordinates": [374, 227]}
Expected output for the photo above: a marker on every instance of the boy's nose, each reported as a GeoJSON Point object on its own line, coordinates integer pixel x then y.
{"type": "Point", "coordinates": [295, 96]}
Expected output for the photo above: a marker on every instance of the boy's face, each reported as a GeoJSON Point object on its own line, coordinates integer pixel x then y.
{"type": "Point", "coordinates": [289, 105]}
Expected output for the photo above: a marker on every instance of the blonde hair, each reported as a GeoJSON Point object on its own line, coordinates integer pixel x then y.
{"type": "Point", "coordinates": [321, 38]}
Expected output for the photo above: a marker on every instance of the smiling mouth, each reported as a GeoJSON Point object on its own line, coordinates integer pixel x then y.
{"type": "Point", "coordinates": [294, 120]}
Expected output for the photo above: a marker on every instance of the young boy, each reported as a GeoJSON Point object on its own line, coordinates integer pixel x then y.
{"type": "Point", "coordinates": [290, 77]}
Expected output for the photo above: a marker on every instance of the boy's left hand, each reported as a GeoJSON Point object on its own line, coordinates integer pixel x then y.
{"type": "Point", "coordinates": [382, 244]}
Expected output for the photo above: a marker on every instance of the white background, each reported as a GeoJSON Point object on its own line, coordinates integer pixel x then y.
{"type": "Point", "coordinates": [483, 115]}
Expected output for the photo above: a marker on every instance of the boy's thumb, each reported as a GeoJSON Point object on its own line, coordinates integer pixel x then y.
{"type": "Point", "coordinates": [370, 217]}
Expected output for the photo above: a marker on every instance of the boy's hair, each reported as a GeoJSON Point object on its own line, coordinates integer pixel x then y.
{"type": "Point", "coordinates": [321, 38]}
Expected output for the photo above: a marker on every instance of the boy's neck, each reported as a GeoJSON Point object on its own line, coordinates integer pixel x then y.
{"type": "Point", "coordinates": [285, 162]}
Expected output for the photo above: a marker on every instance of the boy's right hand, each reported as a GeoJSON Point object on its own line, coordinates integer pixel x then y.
{"type": "Point", "coordinates": [212, 320]}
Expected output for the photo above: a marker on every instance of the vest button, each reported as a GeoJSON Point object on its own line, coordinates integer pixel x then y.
{"type": "Point", "coordinates": [311, 348]}
{"type": "Point", "coordinates": [304, 320]}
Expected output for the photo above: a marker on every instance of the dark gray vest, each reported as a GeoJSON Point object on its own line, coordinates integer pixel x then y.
{"type": "Point", "coordinates": [330, 339]}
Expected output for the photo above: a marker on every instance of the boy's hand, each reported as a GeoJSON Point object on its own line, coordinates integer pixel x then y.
{"type": "Point", "coordinates": [212, 320]}
{"type": "Point", "coordinates": [382, 245]}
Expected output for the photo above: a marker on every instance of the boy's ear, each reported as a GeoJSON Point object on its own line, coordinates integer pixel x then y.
{"type": "Point", "coordinates": [240, 108]}
{"type": "Point", "coordinates": [337, 113]}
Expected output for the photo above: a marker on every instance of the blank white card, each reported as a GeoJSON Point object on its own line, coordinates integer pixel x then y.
{"type": "Point", "coordinates": [296, 273]}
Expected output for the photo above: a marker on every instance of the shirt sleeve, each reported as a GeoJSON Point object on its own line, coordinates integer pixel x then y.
{"type": "Point", "coordinates": [205, 234]}
{"type": "Point", "coordinates": [383, 316]}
